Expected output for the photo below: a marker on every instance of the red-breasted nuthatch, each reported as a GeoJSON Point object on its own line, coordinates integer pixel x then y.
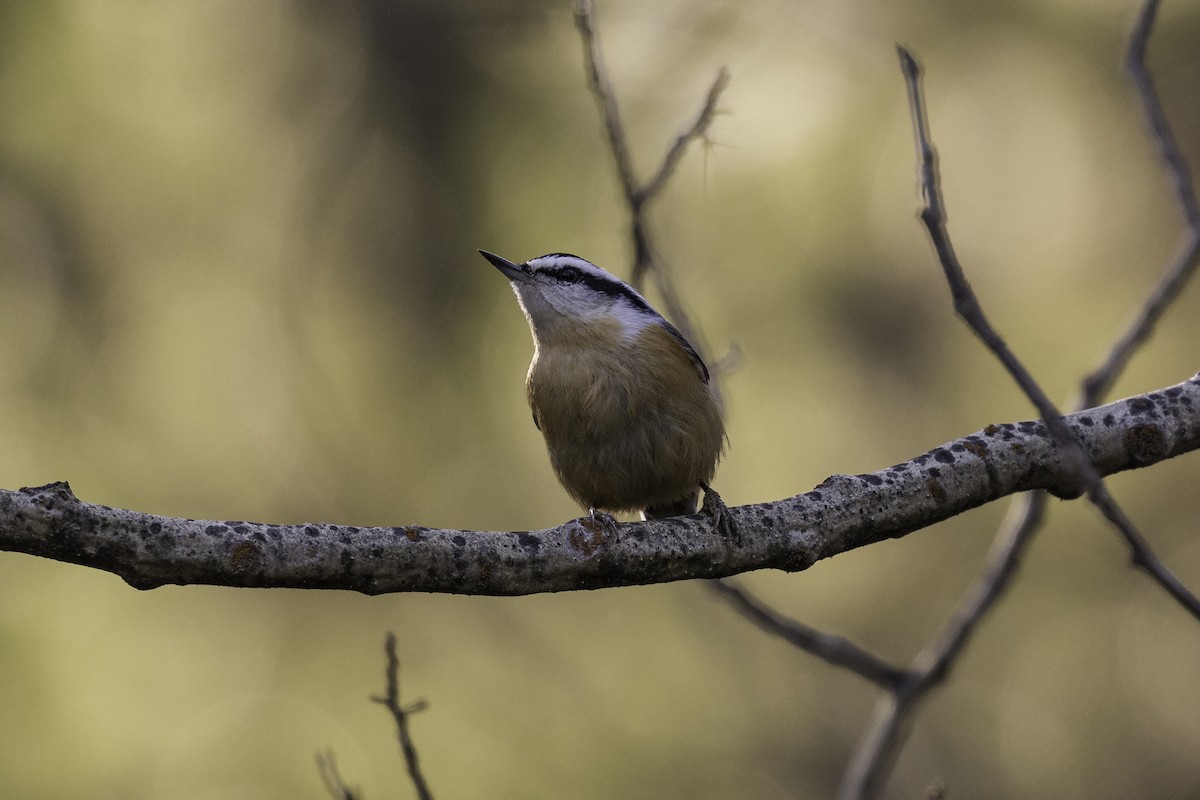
{"type": "Point", "coordinates": [630, 418]}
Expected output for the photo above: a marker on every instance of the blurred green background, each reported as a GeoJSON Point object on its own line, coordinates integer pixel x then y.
{"type": "Point", "coordinates": [238, 280]}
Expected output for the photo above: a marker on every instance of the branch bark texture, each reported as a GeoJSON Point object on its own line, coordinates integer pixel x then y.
{"type": "Point", "coordinates": [843, 513]}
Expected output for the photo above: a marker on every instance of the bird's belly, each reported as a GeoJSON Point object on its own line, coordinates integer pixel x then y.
{"type": "Point", "coordinates": [621, 437]}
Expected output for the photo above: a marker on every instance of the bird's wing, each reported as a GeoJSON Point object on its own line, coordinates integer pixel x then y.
{"type": "Point", "coordinates": [697, 362]}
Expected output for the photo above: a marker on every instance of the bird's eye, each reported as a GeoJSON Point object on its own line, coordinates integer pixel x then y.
{"type": "Point", "coordinates": [569, 274]}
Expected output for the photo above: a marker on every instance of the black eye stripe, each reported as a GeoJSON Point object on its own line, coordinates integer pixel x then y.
{"type": "Point", "coordinates": [569, 274]}
{"type": "Point", "coordinates": [612, 287]}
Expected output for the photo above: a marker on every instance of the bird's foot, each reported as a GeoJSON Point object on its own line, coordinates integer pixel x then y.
{"type": "Point", "coordinates": [602, 524]}
{"type": "Point", "coordinates": [723, 523]}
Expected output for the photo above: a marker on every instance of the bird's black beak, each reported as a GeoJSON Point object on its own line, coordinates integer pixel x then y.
{"type": "Point", "coordinates": [512, 271]}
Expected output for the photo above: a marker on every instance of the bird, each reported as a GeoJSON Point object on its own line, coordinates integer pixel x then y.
{"type": "Point", "coordinates": [627, 407]}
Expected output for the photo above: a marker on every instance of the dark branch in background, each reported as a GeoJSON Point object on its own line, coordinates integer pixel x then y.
{"type": "Point", "coordinates": [400, 713]}
{"type": "Point", "coordinates": [877, 749]}
{"type": "Point", "coordinates": [837, 650]}
{"type": "Point", "coordinates": [1160, 128]}
{"type": "Point", "coordinates": [327, 763]}
{"type": "Point", "coordinates": [967, 305]}
{"type": "Point", "coordinates": [646, 260]}
{"type": "Point", "coordinates": [906, 687]}
{"type": "Point", "coordinates": [876, 752]}
{"type": "Point", "coordinates": [337, 788]}
{"type": "Point", "coordinates": [1183, 266]}
{"type": "Point", "coordinates": [933, 216]}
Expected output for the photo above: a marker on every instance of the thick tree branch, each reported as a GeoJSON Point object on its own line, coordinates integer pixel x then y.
{"type": "Point", "coordinates": [843, 513]}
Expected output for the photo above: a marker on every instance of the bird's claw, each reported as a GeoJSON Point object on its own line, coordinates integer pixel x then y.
{"type": "Point", "coordinates": [723, 523]}
{"type": "Point", "coordinates": [602, 523]}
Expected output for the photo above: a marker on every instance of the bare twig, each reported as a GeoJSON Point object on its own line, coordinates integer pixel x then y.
{"type": "Point", "coordinates": [1024, 517]}
{"type": "Point", "coordinates": [835, 650]}
{"type": "Point", "coordinates": [337, 788]}
{"type": "Point", "coordinates": [601, 89]}
{"type": "Point", "coordinates": [1178, 273]}
{"type": "Point", "coordinates": [637, 195]}
{"type": "Point", "coordinates": [877, 749]}
{"type": "Point", "coordinates": [1160, 128]}
{"type": "Point", "coordinates": [391, 701]}
{"type": "Point", "coordinates": [697, 130]}
{"type": "Point", "coordinates": [968, 307]}
{"type": "Point", "coordinates": [933, 216]}
{"type": "Point", "coordinates": [1142, 554]}
{"type": "Point", "coordinates": [1183, 266]}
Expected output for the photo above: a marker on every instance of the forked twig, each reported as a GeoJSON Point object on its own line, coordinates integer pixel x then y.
{"type": "Point", "coordinates": [906, 687]}
{"type": "Point", "coordinates": [967, 305]}
{"type": "Point", "coordinates": [1181, 268]}
{"type": "Point", "coordinates": [879, 744]}
{"type": "Point", "coordinates": [697, 130]}
{"type": "Point", "coordinates": [391, 701]}
{"type": "Point", "coordinates": [637, 195]}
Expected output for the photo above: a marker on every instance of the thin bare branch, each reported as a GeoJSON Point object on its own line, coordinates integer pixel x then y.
{"type": "Point", "coordinates": [697, 130]}
{"type": "Point", "coordinates": [1181, 269]}
{"type": "Point", "coordinates": [1024, 517]}
{"type": "Point", "coordinates": [967, 305]}
{"type": "Point", "coordinates": [646, 260]}
{"type": "Point", "coordinates": [878, 746]}
{"type": "Point", "coordinates": [835, 650]}
{"type": "Point", "coordinates": [933, 216]}
{"type": "Point", "coordinates": [332, 779]}
{"type": "Point", "coordinates": [400, 713]}
{"type": "Point", "coordinates": [1183, 266]}
{"type": "Point", "coordinates": [1142, 554]}
{"type": "Point", "coordinates": [1156, 117]}
{"type": "Point", "coordinates": [607, 99]}
{"type": "Point", "coordinates": [877, 749]}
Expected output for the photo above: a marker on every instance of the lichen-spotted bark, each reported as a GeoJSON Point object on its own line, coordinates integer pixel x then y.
{"type": "Point", "coordinates": [844, 512]}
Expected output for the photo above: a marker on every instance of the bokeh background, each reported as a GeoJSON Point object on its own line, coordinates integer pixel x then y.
{"type": "Point", "coordinates": [238, 280]}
